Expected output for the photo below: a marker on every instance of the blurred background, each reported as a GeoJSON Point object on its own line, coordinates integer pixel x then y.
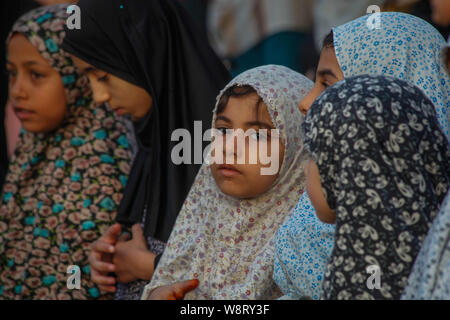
{"type": "Point", "coordinates": [249, 33]}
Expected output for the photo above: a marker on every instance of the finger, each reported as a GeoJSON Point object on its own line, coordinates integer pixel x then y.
{"type": "Point", "coordinates": [111, 289]}
{"type": "Point", "coordinates": [181, 288]}
{"type": "Point", "coordinates": [102, 279]}
{"type": "Point", "coordinates": [101, 266]}
{"type": "Point", "coordinates": [94, 255]}
{"type": "Point", "coordinates": [137, 231]}
{"type": "Point", "coordinates": [102, 246]}
{"type": "Point", "coordinates": [112, 233]}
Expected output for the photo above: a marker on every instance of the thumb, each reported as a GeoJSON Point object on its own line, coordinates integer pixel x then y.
{"type": "Point", "coordinates": [112, 233]}
{"type": "Point", "coordinates": [137, 232]}
{"type": "Point", "coordinates": [181, 288]}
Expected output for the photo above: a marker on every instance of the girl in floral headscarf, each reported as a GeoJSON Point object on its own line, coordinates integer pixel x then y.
{"type": "Point", "coordinates": [380, 172]}
{"type": "Point", "coordinates": [224, 233]}
{"type": "Point", "coordinates": [70, 166]}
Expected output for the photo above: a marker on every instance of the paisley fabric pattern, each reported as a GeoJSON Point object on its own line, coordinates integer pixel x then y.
{"type": "Point", "coordinates": [228, 243]}
{"type": "Point", "coordinates": [383, 163]}
{"type": "Point", "coordinates": [430, 276]}
{"type": "Point", "coordinates": [303, 247]}
{"type": "Point", "coordinates": [405, 47]}
{"type": "Point", "coordinates": [62, 188]}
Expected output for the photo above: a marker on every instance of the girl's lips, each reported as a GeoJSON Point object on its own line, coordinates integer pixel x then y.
{"type": "Point", "coordinates": [22, 114]}
{"type": "Point", "coordinates": [120, 111]}
{"type": "Point", "coordinates": [228, 171]}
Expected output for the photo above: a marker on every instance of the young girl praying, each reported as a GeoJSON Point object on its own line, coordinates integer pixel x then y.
{"type": "Point", "coordinates": [223, 238]}
{"type": "Point", "coordinates": [379, 171]}
{"type": "Point", "coordinates": [70, 166]}
{"type": "Point", "coordinates": [147, 60]}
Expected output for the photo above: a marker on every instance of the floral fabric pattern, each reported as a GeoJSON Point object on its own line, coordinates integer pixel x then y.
{"type": "Point", "coordinates": [227, 243]}
{"type": "Point", "coordinates": [383, 163]}
{"type": "Point", "coordinates": [430, 276]}
{"type": "Point", "coordinates": [62, 188]}
{"type": "Point", "coordinates": [303, 247]}
{"type": "Point", "coordinates": [405, 47]}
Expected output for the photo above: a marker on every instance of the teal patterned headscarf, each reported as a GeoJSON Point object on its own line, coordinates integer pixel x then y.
{"type": "Point", "coordinates": [62, 188]}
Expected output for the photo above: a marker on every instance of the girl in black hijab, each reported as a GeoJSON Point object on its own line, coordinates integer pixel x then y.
{"type": "Point", "coordinates": [147, 60]}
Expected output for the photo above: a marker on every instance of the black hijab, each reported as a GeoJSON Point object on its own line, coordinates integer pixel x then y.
{"type": "Point", "coordinates": [153, 44]}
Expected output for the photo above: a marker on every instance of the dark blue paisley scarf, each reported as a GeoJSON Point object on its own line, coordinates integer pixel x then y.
{"type": "Point", "coordinates": [384, 167]}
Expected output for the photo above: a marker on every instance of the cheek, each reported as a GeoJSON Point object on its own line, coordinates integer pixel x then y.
{"type": "Point", "coordinates": [53, 105]}
{"type": "Point", "coordinates": [258, 183]}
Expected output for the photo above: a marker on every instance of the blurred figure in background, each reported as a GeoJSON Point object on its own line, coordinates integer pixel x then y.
{"type": "Point", "coordinates": [418, 8]}
{"type": "Point", "coordinates": [441, 16]}
{"type": "Point", "coordinates": [440, 12]}
{"type": "Point", "coordinates": [329, 14]}
{"type": "Point", "coordinates": [250, 33]}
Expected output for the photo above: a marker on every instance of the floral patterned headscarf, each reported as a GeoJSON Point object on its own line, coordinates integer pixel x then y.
{"type": "Point", "coordinates": [383, 164]}
{"type": "Point", "coordinates": [62, 188]}
{"type": "Point", "coordinates": [405, 47]}
{"type": "Point", "coordinates": [228, 243]}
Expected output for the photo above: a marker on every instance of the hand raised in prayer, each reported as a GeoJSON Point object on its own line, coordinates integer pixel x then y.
{"type": "Point", "coordinates": [100, 259]}
{"type": "Point", "coordinates": [131, 259]}
{"type": "Point", "coordinates": [175, 291]}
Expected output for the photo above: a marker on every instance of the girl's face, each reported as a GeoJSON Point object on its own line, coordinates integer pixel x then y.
{"type": "Point", "coordinates": [315, 192]}
{"type": "Point", "coordinates": [122, 96]}
{"type": "Point", "coordinates": [245, 180]}
{"type": "Point", "coordinates": [328, 73]}
{"type": "Point", "coordinates": [36, 90]}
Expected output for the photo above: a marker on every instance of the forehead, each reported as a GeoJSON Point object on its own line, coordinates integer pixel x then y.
{"type": "Point", "coordinates": [246, 109]}
{"type": "Point", "coordinates": [21, 50]}
{"type": "Point", "coordinates": [81, 64]}
{"type": "Point", "coordinates": [328, 60]}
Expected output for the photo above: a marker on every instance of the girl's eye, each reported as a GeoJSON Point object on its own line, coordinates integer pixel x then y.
{"type": "Point", "coordinates": [103, 79]}
{"type": "Point", "coordinates": [11, 73]}
{"type": "Point", "coordinates": [325, 84]}
{"type": "Point", "coordinates": [224, 131]}
{"type": "Point", "coordinates": [36, 75]}
{"type": "Point", "coordinates": [259, 135]}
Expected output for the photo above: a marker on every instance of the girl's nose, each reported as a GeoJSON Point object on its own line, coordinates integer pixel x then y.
{"type": "Point", "coordinates": [17, 88]}
{"type": "Point", "coordinates": [308, 100]}
{"type": "Point", "coordinates": [100, 92]}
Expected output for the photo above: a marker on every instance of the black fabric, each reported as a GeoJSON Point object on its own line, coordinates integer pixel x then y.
{"type": "Point", "coordinates": [9, 12]}
{"type": "Point", "coordinates": [153, 44]}
{"type": "Point", "coordinates": [157, 258]}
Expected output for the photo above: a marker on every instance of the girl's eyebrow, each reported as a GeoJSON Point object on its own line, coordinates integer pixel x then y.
{"type": "Point", "coordinates": [249, 123]}
{"type": "Point", "coordinates": [27, 63]}
{"type": "Point", "coordinates": [326, 72]}
{"type": "Point", "coordinates": [223, 118]}
{"type": "Point", "coordinates": [259, 124]}
{"type": "Point", "coordinates": [90, 69]}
